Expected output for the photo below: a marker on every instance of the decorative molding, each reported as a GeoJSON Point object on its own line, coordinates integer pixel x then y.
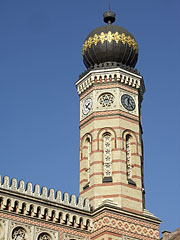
{"type": "Point", "coordinates": [130, 228]}
{"type": "Point", "coordinates": [17, 228]}
{"type": "Point", "coordinates": [110, 65]}
{"type": "Point", "coordinates": [107, 157]}
{"type": "Point", "coordinates": [109, 37]}
{"type": "Point", "coordinates": [19, 232]}
{"type": "Point", "coordinates": [105, 76]}
{"type": "Point", "coordinates": [11, 227]}
{"type": "Point", "coordinates": [46, 234]}
{"type": "Point", "coordinates": [128, 238]}
{"type": "Point", "coordinates": [46, 213]}
{"type": "Point", "coordinates": [106, 100]}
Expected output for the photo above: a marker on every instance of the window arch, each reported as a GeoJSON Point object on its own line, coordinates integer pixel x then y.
{"type": "Point", "coordinates": [44, 236]}
{"type": "Point", "coordinates": [19, 233]}
{"type": "Point", "coordinates": [86, 159]}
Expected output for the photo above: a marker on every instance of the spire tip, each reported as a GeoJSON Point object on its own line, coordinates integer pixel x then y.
{"type": "Point", "coordinates": [109, 17]}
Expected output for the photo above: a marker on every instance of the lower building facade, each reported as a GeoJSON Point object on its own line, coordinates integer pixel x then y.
{"type": "Point", "coordinates": [31, 213]}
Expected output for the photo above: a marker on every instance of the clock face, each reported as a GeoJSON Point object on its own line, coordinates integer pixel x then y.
{"type": "Point", "coordinates": [128, 102]}
{"type": "Point", "coordinates": [87, 106]}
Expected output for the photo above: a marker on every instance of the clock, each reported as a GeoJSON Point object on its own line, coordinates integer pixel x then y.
{"type": "Point", "coordinates": [128, 102]}
{"type": "Point", "coordinates": [87, 106]}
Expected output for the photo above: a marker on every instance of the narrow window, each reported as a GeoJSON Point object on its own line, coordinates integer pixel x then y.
{"type": "Point", "coordinates": [129, 159]}
{"type": "Point", "coordinates": [107, 159]}
{"type": "Point", "coordinates": [87, 152]}
{"type": "Point", "coordinates": [88, 156]}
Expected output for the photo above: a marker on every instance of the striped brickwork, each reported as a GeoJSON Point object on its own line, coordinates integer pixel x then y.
{"type": "Point", "coordinates": [118, 225]}
{"type": "Point", "coordinates": [122, 193]}
{"type": "Point", "coordinates": [117, 122]}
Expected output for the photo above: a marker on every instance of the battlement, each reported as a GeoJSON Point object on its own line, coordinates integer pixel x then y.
{"type": "Point", "coordinates": [43, 193]}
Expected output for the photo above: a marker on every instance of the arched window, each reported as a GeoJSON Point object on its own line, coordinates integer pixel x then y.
{"type": "Point", "coordinates": [86, 156]}
{"type": "Point", "coordinates": [19, 233]}
{"type": "Point", "coordinates": [129, 159]}
{"type": "Point", "coordinates": [44, 236]}
{"type": "Point", "coordinates": [107, 158]}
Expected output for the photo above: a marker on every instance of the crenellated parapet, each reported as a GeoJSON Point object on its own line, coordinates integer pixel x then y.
{"type": "Point", "coordinates": [43, 204]}
{"type": "Point", "coordinates": [44, 194]}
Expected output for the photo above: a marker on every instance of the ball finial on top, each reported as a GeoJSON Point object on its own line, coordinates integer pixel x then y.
{"type": "Point", "coordinates": [109, 17]}
{"type": "Point", "coordinates": [110, 44]}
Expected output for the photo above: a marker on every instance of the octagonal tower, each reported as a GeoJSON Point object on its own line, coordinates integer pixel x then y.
{"type": "Point", "coordinates": [111, 93]}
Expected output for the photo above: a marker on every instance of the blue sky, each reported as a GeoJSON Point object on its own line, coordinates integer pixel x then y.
{"type": "Point", "coordinates": [40, 60]}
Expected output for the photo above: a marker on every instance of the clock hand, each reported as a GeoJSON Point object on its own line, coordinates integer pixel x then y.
{"type": "Point", "coordinates": [128, 101]}
{"type": "Point", "coordinates": [87, 104]}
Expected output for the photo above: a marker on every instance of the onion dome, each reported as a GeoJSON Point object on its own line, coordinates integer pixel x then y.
{"type": "Point", "coordinates": [110, 43]}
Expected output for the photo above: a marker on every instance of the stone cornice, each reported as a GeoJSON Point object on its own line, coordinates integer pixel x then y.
{"type": "Point", "coordinates": [105, 76]}
{"type": "Point", "coordinates": [109, 114]}
{"type": "Point", "coordinates": [146, 215]}
{"type": "Point", "coordinates": [109, 65]}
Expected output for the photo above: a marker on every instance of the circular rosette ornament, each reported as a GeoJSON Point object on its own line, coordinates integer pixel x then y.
{"type": "Point", "coordinates": [106, 99]}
